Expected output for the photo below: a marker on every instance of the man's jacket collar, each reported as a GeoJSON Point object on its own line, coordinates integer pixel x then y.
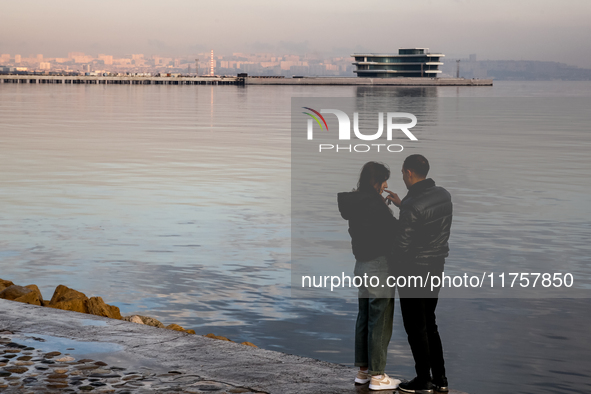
{"type": "Point", "coordinates": [420, 186]}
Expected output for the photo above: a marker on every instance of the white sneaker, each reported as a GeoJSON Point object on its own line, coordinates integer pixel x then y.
{"type": "Point", "coordinates": [385, 383]}
{"type": "Point", "coordinates": [362, 377]}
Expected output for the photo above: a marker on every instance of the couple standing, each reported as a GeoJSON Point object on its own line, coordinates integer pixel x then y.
{"type": "Point", "coordinates": [413, 245]}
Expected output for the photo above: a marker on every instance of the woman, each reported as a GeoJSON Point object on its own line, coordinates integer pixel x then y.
{"type": "Point", "coordinates": [372, 227]}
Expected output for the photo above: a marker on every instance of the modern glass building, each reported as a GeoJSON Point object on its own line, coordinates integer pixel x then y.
{"type": "Point", "coordinates": [410, 62]}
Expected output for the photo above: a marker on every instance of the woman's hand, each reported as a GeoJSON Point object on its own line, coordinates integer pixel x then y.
{"type": "Point", "coordinates": [393, 197]}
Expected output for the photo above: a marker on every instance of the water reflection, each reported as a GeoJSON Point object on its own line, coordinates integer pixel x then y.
{"type": "Point", "coordinates": [402, 91]}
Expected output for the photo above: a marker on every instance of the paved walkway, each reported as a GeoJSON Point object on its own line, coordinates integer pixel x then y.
{"type": "Point", "coordinates": [49, 350]}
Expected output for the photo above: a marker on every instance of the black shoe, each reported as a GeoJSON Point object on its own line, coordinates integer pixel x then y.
{"type": "Point", "coordinates": [440, 385]}
{"type": "Point", "coordinates": [417, 386]}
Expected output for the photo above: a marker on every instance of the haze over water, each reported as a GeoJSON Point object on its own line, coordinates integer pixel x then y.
{"type": "Point", "coordinates": [174, 202]}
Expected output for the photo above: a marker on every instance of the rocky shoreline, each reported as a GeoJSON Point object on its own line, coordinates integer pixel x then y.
{"type": "Point", "coordinates": [69, 299]}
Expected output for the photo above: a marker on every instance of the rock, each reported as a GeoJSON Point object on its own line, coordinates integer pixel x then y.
{"type": "Point", "coordinates": [16, 369]}
{"type": "Point", "coordinates": [249, 344]}
{"type": "Point", "coordinates": [86, 367]}
{"type": "Point", "coordinates": [60, 371]}
{"type": "Point", "coordinates": [52, 354]}
{"type": "Point", "coordinates": [15, 345]}
{"type": "Point", "coordinates": [135, 319]}
{"type": "Point", "coordinates": [175, 327]}
{"type": "Point", "coordinates": [57, 376]}
{"type": "Point", "coordinates": [36, 290]}
{"type": "Point", "coordinates": [68, 299]}
{"type": "Point", "coordinates": [24, 358]}
{"type": "Point", "coordinates": [101, 363]}
{"type": "Point", "coordinates": [221, 338]}
{"type": "Point", "coordinates": [96, 306]}
{"type": "Point", "coordinates": [4, 284]}
{"type": "Point", "coordinates": [20, 294]}
{"type": "Point", "coordinates": [147, 320]}
{"type": "Point", "coordinates": [55, 386]}
{"type": "Point", "coordinates": [65, 359]}
{"type": "Point", "coordinates": [104, 375]}
{"type": "Point", "coordinates": [150, 321]}
{"type": "Point", "coordinates": [23, 363]}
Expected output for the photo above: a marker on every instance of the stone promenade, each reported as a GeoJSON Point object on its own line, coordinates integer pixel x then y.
{"type": "Point", "coordinates": [46, 350]}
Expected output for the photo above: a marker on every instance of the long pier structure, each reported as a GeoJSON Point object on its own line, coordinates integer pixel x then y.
{"type": "Point", "coordinates": [241, 80]}
{"type": "Point", "coordinates": [118, 80]}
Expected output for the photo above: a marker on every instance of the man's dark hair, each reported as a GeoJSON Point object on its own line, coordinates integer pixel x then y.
{"type": "Point", "coordinates": [372, 173]}
{"type": "Point", "coordinates": [417, 164]}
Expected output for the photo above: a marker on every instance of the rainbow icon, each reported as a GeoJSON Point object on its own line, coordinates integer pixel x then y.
{"type": "Point", "coordinates": [315, 118]}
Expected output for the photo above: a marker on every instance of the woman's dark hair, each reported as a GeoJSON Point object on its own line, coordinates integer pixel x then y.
{"type": "Point", "coordinates": [372, 173]}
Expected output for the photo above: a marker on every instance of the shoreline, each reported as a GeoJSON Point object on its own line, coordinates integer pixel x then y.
{"type": "Point", "coordinates": [68, 299]}
{"type": "Point", "coordinates": [187, 363]}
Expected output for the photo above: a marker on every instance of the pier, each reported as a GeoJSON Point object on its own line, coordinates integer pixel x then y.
{"type": "Point", "coordinates": [240, 80]}
{"type": "Point", "coordinates": [120, 80]}
{"type": "Point", "coordinates": [361, 81]}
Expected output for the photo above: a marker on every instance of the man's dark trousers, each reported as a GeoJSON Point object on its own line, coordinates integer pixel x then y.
{"type": "Point", "coordinates": [418, 313]}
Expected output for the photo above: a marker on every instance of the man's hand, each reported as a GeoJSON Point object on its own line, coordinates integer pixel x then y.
{"type": "Point", "coordinates": [393, 197]}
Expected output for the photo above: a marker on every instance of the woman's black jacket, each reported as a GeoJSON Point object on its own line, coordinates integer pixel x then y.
{"type": "Point", "coordinates": [371, 223]}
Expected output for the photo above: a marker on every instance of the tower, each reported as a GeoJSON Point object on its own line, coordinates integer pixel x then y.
{"type": "Point", "coordinates": [197, 67]}
{"type": "Point", "coordinates": [211, 66]}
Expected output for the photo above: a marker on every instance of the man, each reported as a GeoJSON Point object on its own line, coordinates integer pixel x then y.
{"type": "Point", "coordinates": [420, 249]}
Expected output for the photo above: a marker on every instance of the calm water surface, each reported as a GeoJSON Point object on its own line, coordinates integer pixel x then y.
{"type": "Point", "coordinates": [174, 202]}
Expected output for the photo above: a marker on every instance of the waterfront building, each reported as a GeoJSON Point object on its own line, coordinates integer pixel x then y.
{"type": "Point", "coordinates": [409, 62]}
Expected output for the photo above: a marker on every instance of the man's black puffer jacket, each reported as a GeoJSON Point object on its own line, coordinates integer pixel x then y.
{"type": "Point", "coordinates": [424, 224]}
{"type": "Point", "coordinates": [371, 223]}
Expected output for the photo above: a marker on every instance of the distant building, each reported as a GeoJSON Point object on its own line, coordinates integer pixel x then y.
{"type": "Point", "coordinates": [107, 59]}
{"type": "Point", "coordinates": [410, 62]}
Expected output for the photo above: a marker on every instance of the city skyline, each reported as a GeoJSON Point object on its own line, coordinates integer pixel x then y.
{"type": "Point", "coordinates": [201, 62]}
{"type": "Point", "coordinates": [268, 64]}
{"type": "Point", "coordinates": [496, 30]}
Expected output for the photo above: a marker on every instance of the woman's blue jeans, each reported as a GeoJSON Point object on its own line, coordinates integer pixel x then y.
{"type": "Point", "coordinates": [373, 329]}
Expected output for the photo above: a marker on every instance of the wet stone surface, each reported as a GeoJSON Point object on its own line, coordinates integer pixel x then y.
{"type": "Point", "coordinates": [51, 372]}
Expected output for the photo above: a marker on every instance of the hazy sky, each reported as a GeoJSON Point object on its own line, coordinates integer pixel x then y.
{"type": "Point", "coordinates": [493, 29]}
